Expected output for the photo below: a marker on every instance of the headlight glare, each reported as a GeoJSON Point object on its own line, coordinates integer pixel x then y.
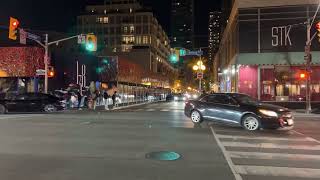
{"type": "Point", "coordinates": [268, 113]}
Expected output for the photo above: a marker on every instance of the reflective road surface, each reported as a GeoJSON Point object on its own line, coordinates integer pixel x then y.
{"type": "Point", "coordinates": [117, 145]}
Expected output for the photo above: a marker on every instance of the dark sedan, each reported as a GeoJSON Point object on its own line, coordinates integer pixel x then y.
{"type": "Point", "coordinates": [238, 109]}
{"type": "Point", "coordinates": [31, 102]}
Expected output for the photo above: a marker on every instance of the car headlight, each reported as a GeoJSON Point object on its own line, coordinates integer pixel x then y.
{"type": "Point", "coordinates": [184, 98]}
{"type": "Point", "coordinates": [268, 113]}
{"type": "Point", "coordinates": [195, 96]}
{"type": "Point", "coordinates": [175, 98]}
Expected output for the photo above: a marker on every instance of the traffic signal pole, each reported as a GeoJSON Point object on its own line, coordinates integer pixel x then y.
{"type": "Point", "coordinates": [308, 68]}
{"type": "Point", "coordinates": [46, 55]}
{"type": "Point", "coordinates": [308, 60]}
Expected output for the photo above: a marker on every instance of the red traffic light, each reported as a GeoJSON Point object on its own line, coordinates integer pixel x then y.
{"type": "Point", "coordinates": [302, 75]}
{"type": "Point", "coordinates": [318, 26]}
{"type": "Point", "coordinates": [15, 23]}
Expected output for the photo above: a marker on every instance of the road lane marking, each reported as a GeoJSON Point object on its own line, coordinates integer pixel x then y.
{"type": "Point", "coordinates": [20, 116]}
{"type": "Point", "coordinates": [226, 156]}
{"type": "Point", "coordinates": [305, 135]}
{"type": "Point", "coordinates": [278, 171]}
{"type": "Point", "coordinates": [138, 110]}
{"type": "Point", "coordinates": [276, 156]}
{"type": "Point", "coordinates": [149, 110]}
{"type": "Point", "coordinates": [270, 145]}
{"type": "Point", "coordinates": [265, 138]}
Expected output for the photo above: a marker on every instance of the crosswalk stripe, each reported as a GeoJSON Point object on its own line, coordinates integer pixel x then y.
{"type": "Point", "coordinates": [149, 110]}
{"type": "Point", "coordinates": [165, 110]}
{"type": "Point", "coordinates": [276, 156]}
{"type": "Point", "coordinates": [270, 145]}
{"type": "Point", "coordinates": [265, 138]}
{"type": "Point", "coordinates": [278, 171]}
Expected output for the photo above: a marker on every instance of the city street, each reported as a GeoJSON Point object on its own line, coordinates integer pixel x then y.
{"type": "Point", "coordinates": [113, 145]}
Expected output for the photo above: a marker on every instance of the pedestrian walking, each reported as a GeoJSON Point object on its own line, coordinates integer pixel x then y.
{"type": "Point", "coordinates": [106, 97]}
{"type": "Point", "coordinates": [95, 96]}
{"type": "Point", "coordinates": [79, 99]}
{"type": "Point", "coordinates": [114, 98]}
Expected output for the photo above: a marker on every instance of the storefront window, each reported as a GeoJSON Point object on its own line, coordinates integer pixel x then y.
{"type": "Point", "coordinates": [282, 83]}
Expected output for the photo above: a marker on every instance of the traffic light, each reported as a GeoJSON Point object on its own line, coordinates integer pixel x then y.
{"type": "Point", "coordinates": [303, 75]}
{"type": "Point", "coordinates": [13, 28]}
{"type": "Point", "coordinates": [175, 56]}
{"type": "Point", "coordinates": [51, 72]}
{"type": "Point", "coordinates": [318, 30]}
{"type": "Point", "coordinates": [91, 42]}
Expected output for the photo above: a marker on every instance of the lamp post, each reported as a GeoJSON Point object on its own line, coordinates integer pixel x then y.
{"type": "Point", "coordinates": [199, 68]}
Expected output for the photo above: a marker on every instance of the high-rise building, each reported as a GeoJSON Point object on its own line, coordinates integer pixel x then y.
{"type": "Point", "coordinates": [122, 26]}
{"type": "Point", "coordinates": [215, 29]}
{"type": "Point", "coordinates": [182, 23]}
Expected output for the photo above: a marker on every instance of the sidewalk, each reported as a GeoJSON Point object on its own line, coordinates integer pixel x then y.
{"type": "Point", "coordinates": [102, 107]}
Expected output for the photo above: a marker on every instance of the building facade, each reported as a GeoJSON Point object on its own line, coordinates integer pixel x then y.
{"type": "Point", "coordinates": [214, 29]}
{"type": "Point", "coordinates": [182, 23]}
{"type": "Point", "coordinates": [124, 25]}
{"type": "Point", "coordinates": [262, 51]}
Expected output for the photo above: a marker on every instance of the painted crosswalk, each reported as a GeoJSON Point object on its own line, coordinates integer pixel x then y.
{"type": "Point", "coordinates": [270, 155]}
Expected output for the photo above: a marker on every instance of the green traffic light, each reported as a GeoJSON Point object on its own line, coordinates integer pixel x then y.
{"type": "Point", "coordinates": [105, 61]}
{"type": "Point", "coordinates": [173, 58]}
{"type": "Point", "coordinates": [89, 46]}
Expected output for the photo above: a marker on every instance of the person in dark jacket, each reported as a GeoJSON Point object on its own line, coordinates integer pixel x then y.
{"type": "Point", "coordinates": [114, 98]}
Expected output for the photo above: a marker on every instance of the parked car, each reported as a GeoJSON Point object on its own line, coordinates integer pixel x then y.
{"type": "Point", "coordinates": [238, 109]}
{"type": "Point", "coordinates": [31, 102]}
{"type": "Point", "coordinates": [169, 97]}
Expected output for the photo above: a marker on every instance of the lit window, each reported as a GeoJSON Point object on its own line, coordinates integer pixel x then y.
{"type": "Point", "coordinates": [125, 29]}
{"type": "Point", "coordinates": [105, 11]}
{"type": "Point", "coordinates": [131, 29]}
{"type": "Point", "coordinates": [105, 20]}
{"type": "Point", "coordinates": [145, 40]}
{"type": "Point", "coordinates": [130, 10]}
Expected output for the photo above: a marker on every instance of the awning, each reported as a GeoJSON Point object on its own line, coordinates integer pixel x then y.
{"type": "Point", "coordinates": [276, 58]}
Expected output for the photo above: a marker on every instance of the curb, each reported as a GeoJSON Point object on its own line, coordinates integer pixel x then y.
{"type": "Point", "coordinates": [102, 108]}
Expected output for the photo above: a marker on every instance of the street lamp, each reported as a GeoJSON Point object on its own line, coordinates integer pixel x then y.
{"type": "Point", "coordinates": [199, 68]}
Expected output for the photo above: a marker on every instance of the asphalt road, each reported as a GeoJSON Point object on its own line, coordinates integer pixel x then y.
{"type": "Point", "coordinates": [113, 145]}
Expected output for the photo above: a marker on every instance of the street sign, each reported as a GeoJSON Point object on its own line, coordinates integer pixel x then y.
{"type": "Point", "coordinates": [33, 37]}
{"type": "Point", "coordinates": [194, 53]}
{"type": "Point", "coordinates": [23, 36]}
{"type": "Point", "coordinates": [200, 75]}
{"type": "Point", "coordinates": [40, 72]}
{"type": "Point", "coordinates": [81, 39]}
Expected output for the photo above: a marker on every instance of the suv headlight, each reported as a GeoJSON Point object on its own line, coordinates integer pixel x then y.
{"type": "Point", "coordinates": [268, 113]}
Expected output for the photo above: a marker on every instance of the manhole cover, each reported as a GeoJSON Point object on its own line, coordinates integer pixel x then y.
{"type": "Point", "coordinates": [163, 156]}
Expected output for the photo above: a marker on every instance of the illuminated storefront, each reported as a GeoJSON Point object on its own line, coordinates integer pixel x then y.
{"type": "Point", "coordinates": [262, 52]}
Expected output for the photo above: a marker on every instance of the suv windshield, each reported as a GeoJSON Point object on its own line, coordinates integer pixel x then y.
{"type": "Point", "coordinates": [245, 99]}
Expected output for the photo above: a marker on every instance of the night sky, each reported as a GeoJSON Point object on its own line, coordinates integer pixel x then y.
{"type": "Point", "coordinates": [60, 15]}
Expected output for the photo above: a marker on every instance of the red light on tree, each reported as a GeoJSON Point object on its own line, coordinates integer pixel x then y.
{"type": "Point", "coordinates": [318, 26]}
